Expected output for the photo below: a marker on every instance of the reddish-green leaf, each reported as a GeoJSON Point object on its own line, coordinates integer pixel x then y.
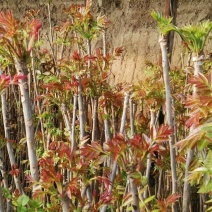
{"type": "Point", "coordinates": [163, 133]}
{"type": "Point", "coordinates": [91, 151]}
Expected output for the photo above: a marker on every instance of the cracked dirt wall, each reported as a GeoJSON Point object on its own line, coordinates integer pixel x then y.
{"type": "Point", "coordinates": [131, 27]}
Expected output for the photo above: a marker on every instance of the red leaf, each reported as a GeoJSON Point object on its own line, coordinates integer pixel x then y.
{"type": "Point", "coordinates": [15, 171]}
{"type": "Point", "coordinates": [192, 102]}
{"type": "Point", "coordinates": [89, 58]}
{"type": "Point", "coordinates": [193, 120]}
{"type": "Point", "coordinates": [18, 77]}
{"type": "Point", "coordinates": [85, 82]}
{"type": "Point", "coordinates": [35, 26]}
{"type": "Point", "coordinates": [53, 85]}
{"type": "Point", "coordinates": [205, 100]}
{"type": "Point", "coordinates": [119, 51]}
{"type": "Point", "coordinates": [91, 151]}
{"type": "Point", "coordinates": [65, 150]}
{"type": "Point", "coordinates": [38, 97]}
{"type": "Point", "coordinates": [104, 180]}
{"type": "Point", "coordinates": [163, 204]}
{"type": "Point", "coordinates": [116, 145]}
{"type": "Point", "coordinates": [163, 133]}
{"type": "Point", "coordinates": [76, 56]}
{"type": "Point", "coordinates": [106, 197]}
{"type": "Point", "coordinates": [8, 23]}
{"type": "Point", "coordinates": [4, 81]}
{"type": "Point", "coordinates": [171, 199]}
{"type": "Point", "coordinates": [200, 81]}
{"type": "Point", "coordinates": [74, 188]}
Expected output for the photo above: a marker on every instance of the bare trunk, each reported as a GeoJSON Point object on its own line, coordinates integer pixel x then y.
{"type": "Point", "coordinates": [38, 103]}
{"type": "Point", "coordinates": [133, 187]}
{"type": "Point", "coordinates": [149, 160]}
{"type": "Point", "coordinates": [67, 123]}
{"type": "Point", "coordinates": [160, 184]}
{"type": "Point", "coordinates": [9, 146]}
{"type": "Point", "coordinates": [95, 119]}
{"type": "Point", "coordinates": [73, 124]}
{"type": "Point", "coordinates": [5, 179]}
{"type": "Point", "coordinates": [82, 133]}
{"type": "Point", "coordinates": [27, 112]}
{"type": "Point", "coordinates": [114, 169]}
{"type": "Point", "coordinates": [65, 204]}
{"type": "Point", "coordinates": [107, 126]}
{"type": "Point", "coordinates": [81, 114]}
{"type": "Point", "coordinates": [1, 200]}
{"type": "Point", "coordinates": [165, 64]}
{"type": "Point", "coordinates": [198, 62]}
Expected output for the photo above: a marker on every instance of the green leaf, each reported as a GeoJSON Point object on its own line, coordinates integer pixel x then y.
{"type": "Point", "coordinates": [21, 209]}
{"type": "Point", "coordinates": [23, 200]}
{"type": "Point", "coordinates": [209, 209]}
{"type": "Point", "coordinates": [149, 199]}
{"type": "Point", "coordinates": [35, 204]}
{"type": "Point", "coordinates": [205, 188]}
{"type": "Point", "coordinates": [164, 24]}
{"type": "Point", "coordinates": [209, 201]}
{"type": "Point", "coordinates": [208, 160]}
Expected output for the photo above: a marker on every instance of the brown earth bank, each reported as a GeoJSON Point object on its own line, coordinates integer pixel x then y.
{"type": "Point", "coordinates": [131, 27]}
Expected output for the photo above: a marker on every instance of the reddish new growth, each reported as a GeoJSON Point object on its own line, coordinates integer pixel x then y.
{"type": "Point", "coordinates": [34, 26]}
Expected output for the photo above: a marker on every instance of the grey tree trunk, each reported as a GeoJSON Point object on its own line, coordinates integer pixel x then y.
{"type": "Point", "coordinates": [198, 63]}
{"type": "Point", "coordinates": [149, 160]}
{"type": "Point", "coordinates": [133, 187]}
{"type": "Point", "coordinates": [95, 119]}
{"type": "Point", "coordinates": [65, 204]}
{"type": "Point", "coordinates": [170, 122]}
{"type": "Point", "coordinates": [9, 146]}
{"type": "Point", "coordinates": [1, 201]}
{"type": "Point", "coordinates": [4, 179]}
{"type": "Point", "coordinates": [21, 68]}
{"type": "Point", "coordinates": [73, 124]}
{"type": "Point", "coordinates": [82, 134]}
{"type": "Point", "coordinates": [114, 168]}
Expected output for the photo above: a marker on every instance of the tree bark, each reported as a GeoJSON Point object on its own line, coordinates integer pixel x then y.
{"type": "Point", "coordinates": [73, 124]}
{"type": "Point", "coordinates": [133, 187]}
{"type": "Point", "coordinates": [198, 63]}
{"type": "Point", "coordinates": [114, 168]}
{"type": "Point", "coordinates": [9, 146]}
{"type": "Point", "coordinates": [149, 159]}
{"type": "Point", "coordinates": [1, 199]}
{"type": "Point", "coordinates": [4, 179]}
{"type": "Point", "coordinates": [21, 68]}
{"type": "Point", "coordinates": [165, 65]}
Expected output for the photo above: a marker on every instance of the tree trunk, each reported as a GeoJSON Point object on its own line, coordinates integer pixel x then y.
{"type": "Point", "coordinates": [95, 119]}
{"type": "Point", "coordinates": [21, 68]}
{"type": "Point", "coordinates": [149, 160]}
{"type": "Point", "coordinates": [65, 204]}
{"type": "Point", "coordinates": [165, 65]}
{"type": "Point", "coordinates": [198, 63]}
{"type": "Point", "coordinates": [1, 199]}
{"type": "Point", "coordinates": [5, 179]}
{"type": "Point", "coordinates": [82, 134]}
{"type": "Point", "coordinates": [114, 169]}
{"type": "Point", "coordinates": [133, 187]}
{"type": "Point", "coordinates": [73, 124]}
{"type": "Point", "coordinates": [9, 146]}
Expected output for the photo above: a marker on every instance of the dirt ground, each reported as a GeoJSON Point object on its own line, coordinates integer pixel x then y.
{"type": "Point", "coordinates": [131, 27]}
